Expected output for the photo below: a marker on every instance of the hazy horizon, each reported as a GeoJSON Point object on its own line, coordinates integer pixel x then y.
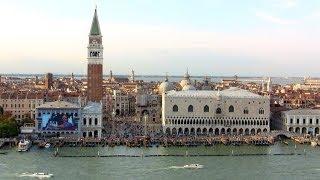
{"type": "Point", "coordinates": [276, 38]}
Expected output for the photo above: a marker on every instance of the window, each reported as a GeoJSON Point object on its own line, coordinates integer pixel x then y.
{"type": "Point", "coordinates": [206, 108]}
{"type": "Point", "coordinates": [90, 121]}
{"type": "Point", "coordinates": [175, 108]}
{"type": "Point", "coordinates": [291, 121]}
{"type": "Point", "coordinates": [95, 121]}
{"type": "Point", "coordinates": [218, 111]}
{"type": "Point", "coordinates": [310, 121]}
{"type": "Point", "coordinates": [298, 121]}
{"type": "Point", "coordinates": [317, 121]}
{"type": "Point", "coordinates": [190, 108]}
{"type": "Point", "coordinates": [84, 121]}
{"type": "Point", "coordinates": [304, 121]}
{"type": "Point", "coordinates": [261, 111]}
{"type": "Point", "coordinates": [231, 108]}
{"type": "Point", "coordinates": [246, 111]}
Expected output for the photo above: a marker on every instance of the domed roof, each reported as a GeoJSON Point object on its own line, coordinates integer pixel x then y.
{"type": "Point", "coordinates": [165, 86]}
{"type": "Point", "coordinates": [186, 80]}
{"type": "Point", "coordinates": [188, 87]}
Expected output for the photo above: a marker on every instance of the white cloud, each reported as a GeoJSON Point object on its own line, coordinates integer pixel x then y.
{"type": "Point", "coordinates": [285, 3]}
{"type": "Point", "coordinates": [276, 20]}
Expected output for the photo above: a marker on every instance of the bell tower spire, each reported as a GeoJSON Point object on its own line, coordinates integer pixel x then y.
{"type": "Point", "coordinates": [95, 26]}
{"type": "Point", "coordinates": [95, 61]}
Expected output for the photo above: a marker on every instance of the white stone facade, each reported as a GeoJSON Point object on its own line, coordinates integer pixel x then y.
{"type": "Point", "coordinates": [301, 121]}
{"type": "Point", "coordinates": [91, 117]}
{"type": "Point", "coordinates": [232, 111]}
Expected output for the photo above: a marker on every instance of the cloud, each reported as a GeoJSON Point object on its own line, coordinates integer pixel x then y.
{"type": "Point", "coordinates": [286, 3]}
{"type": "Point", "coordinates": [275, 20]}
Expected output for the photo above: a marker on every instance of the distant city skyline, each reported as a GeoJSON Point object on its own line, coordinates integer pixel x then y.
{"type": "Point", "coordinates": [209, 37]}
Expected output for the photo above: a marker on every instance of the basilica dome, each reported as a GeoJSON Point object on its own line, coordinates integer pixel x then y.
{"type": "Point", "coordinates": [165, 86]}
{"type": "Point", "coordinates": [186, 80]}
{"type": "Point", "coordinates": [188, 87]}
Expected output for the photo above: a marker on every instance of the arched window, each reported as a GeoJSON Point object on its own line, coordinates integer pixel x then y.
{"type": "Point", "coordinates": [218, 111]}
{"type": "Point", "coordinates": [175, 108]}
{"type": "Point", "coordinates": [246, 111]}
{"type": "Point", "coordinates": [206, 108]}
{"type": "Point", "coordinates": [95, 121]}
{"type": "Point", "coordinates": [90, 121]}
{"type": "Point", "coordinates": [261, 111]}
{"type": "Point", "coordinates": [190, 108]}
{"type": "Point", "coordinates": [84, 121]}
{"type": "Point", "coordinates": [231, 108]}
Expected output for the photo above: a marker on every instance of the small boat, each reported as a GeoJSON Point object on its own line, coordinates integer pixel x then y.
{"type": "Point", "coordinates": [314, 143]}
{"type": "Point", "coordinates": [193, 166]}
{"type": "Point", "coordinates": [41, 145]}
{"type": "Point", "coordinates": [47, 145]}
{"type": "Point", "coordinates": [36, 175]}
{"type": "Point", "coordinates": [285, 142]}
{"type": "Point", "coordinates": [24, 145]}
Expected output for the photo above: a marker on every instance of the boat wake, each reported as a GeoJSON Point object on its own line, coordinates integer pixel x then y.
{"type": "Point", "coordinates": [176, 167]}
{"type": "Point", "coordinates": [188, 166]}
{"type": "Point", "coordinates": [36, 175]}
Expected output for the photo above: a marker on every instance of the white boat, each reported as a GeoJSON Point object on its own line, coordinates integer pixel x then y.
{"type": "Point", "coordinates": [37, 175]}
{"type": "Point", "coordinates": [193, 166]}
{"type": "Point", "coordinates": [24, 145]}
{"type": "Point", "coordinates": [47, 145]}
{"type": "Point", "coordinates": [314, 143]}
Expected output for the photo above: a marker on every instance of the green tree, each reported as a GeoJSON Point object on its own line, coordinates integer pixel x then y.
{"type": "Point", "coordinates": [1, 111]}
{"type": "Point", "coordinates": [8, 127]}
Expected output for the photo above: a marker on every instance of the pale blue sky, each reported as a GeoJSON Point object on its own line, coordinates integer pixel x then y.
{"type": "Point", "coordinates": [210, 37]}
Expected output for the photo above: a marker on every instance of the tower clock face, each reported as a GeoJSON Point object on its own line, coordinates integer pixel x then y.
{"type": "Point", "coordinates": [95, 41]}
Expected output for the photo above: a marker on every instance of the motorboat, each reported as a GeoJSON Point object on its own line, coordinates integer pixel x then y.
{"type": "Point", "coordinates": [193, 166]}
{"type": "Point", "coordinates": [314, 143]}
{"type": "Point", "coordinates": [36, 175]}
{"type": "Point", "coordinates": [24, 145]}
{"type": "Point", "coordinates": [48, 145]}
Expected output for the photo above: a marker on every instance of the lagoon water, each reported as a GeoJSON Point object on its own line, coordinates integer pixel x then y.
{"type": "Point", "coordinates": [215, 167]}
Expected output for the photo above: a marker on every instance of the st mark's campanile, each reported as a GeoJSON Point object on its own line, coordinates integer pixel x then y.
{"type": "Point", "coordinates": [95, 62]}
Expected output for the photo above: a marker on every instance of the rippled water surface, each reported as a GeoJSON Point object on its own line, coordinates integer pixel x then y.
{"type": "Point", "coordinates": [215, 167]}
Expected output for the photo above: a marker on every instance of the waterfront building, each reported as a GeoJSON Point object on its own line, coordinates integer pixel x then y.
{"type": "Point", "coordinates": [301, 121]}
{"type": "Point", "coordinates": [148, 110]}
{"type": "Point", "coordinates": [21, 105]}
{"type": "Point", "coordinates": [58, 118]}
{"type": "Point", "coordinates": [231, 111]}
{"type": "Point", "coordinates": [95, 62]}
{"type": "Point", "coordinates": [123, 103]}
{"type": "Point", "coordinates": [91, 116]}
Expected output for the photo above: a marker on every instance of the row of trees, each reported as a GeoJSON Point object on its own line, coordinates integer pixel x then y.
{"type": "Point", "coordinates": [8, 125]}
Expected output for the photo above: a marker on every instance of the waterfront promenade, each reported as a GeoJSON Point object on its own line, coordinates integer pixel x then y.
{"type": "Point", "coordinates": [176, 141]}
